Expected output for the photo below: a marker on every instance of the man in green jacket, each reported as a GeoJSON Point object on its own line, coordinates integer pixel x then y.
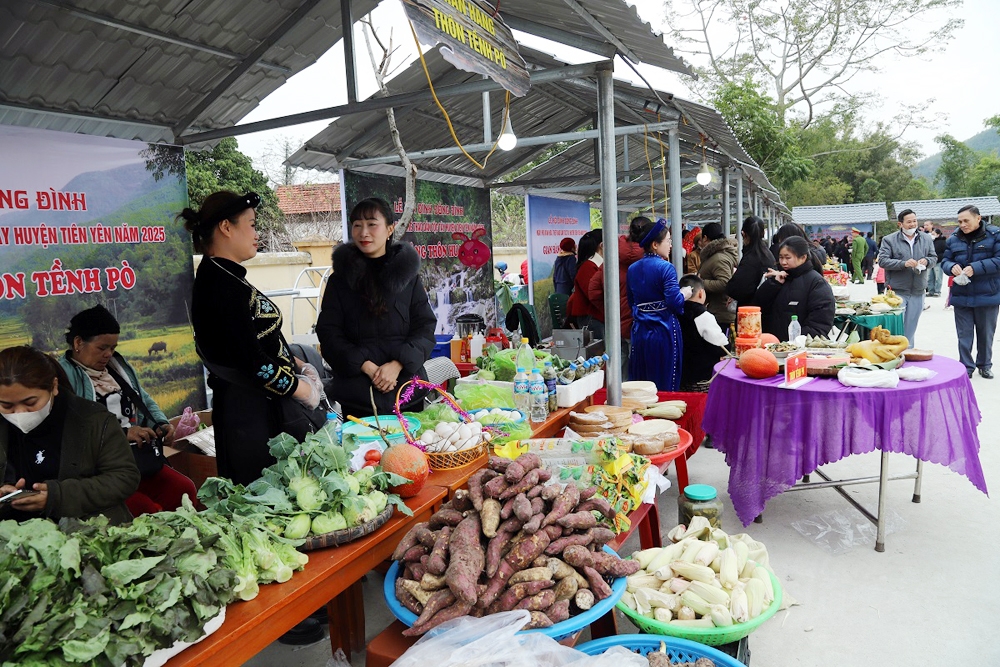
{"type": "Point", "coordinates": [859, 248]}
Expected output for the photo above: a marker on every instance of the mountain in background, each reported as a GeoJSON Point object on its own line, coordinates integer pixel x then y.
{"type": "Point", "coordinates": [987, 141]}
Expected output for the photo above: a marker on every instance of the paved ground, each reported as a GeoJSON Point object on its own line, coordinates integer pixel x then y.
{"type": "Point", "coordinates": [932, 598]}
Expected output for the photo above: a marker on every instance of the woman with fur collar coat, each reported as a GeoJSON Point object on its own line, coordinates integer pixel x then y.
{"type": "Point", "coordinates": [376, 326]}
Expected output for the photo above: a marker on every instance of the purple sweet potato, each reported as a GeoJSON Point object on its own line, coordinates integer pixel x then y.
{"type": "Point", "coordinates": [413, 554]}
{"type": "Point", "coordinates": [438, 601]}
{"type": "Point", "coordinates": [406, 598]}
{"type": "Point", "coordinates": [499, 464]}
{"type": "Point", "coordinates": [600, 587]}
{"type": "Point", "coordinates": [593, 535]}
{"type": "Point", "coordinates": [529, 480]}
{"type": "Point", "coordinates": [563, 505]}
{"type": "Point", "coordinates": [538, 620]}
{"type": "Point", "coordinates": [494, 550]}
{"type": "Point", "coordinates": [522, 507]}
{"type": "Point", "coordinates": [462, 501]}
{"type": "Point", "coordinates": [600, 536]}
{"type": "Point", "coordinates": [613, 566]}
{"type": "Point", "coordinates": [476, 482]}
{"type": "Point", "coordinates": [516, 593]}
{"type": "Point", "coordinates": [454, 611]}
{"type": "Point", "coordinates": [495, 488]}
{"type": "Point", "coordinates": [426, 537]}
{"type": "Point", "coordinates": [588, 493]}
{"type": "Point", "coordinates": [551, 492]}
{"type": "Point", "coordinates": [537, 514]}
{"type": "Point", "coordinates": [489, 516]}
{"type": "Point", "coordinates": [418, 570]}
{"type": "Point", "coordinates": [520, 467]}
{"type": "Point", "coordinates": [519, 558]}
{"type": "Point", "coordinates": [555, 532]}
{"type": "Point", "coordinates": [584, 598]}
{"type": "Point", "coordinates": [544, 475]}
{"type": "Point", "coordinates": [578, 520]}
{"type": "Point", "coordinates": [445, 517]}
{"type": "Point", "coordinates": [467, 560]}
{"type": "Point", "coordinates": [559, 611]}
{"type": "Point", "coordinates": [409, 540]}
{"type": "Point", "coordinates": [438, 561]}
{"type": "Point", "coordinates": [507, 508]}
{"type": "Point", "coordinates": [598, 503]}
{"type": "Point", "coordinates": [538, 601]}
{"type": "Point", "coordinates": [578, 556]}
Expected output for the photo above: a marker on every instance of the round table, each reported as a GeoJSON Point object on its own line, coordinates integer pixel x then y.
{"type": "Point", "coordinates": [773, 436]}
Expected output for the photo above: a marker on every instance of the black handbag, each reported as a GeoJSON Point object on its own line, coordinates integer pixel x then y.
{"type": "Point", "coordinates": [149, 458]}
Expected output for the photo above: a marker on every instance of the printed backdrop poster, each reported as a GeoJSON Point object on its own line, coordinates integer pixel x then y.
{"type": "Point", "coordinates": [837, 231]}
{"type": "Point", "coordinates": [90, 220]}
{"type": "Point", "coordinates": [549, 222]}
{"type": "Point", "coordinates": [451, 231]}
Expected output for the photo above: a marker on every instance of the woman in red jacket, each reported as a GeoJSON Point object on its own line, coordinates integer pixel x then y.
{"type": "Point", "coordinates": [580, 310]}
{"type": "Point", "coordinates": [629, 252]}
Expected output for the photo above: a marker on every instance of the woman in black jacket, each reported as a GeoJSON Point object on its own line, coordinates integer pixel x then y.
{"type": "Point", "coordinates": [757, 259]}
{"type": "Point", "coordinates": [376, 326]}
{"type": "Point", "coordinates": [795, 290]}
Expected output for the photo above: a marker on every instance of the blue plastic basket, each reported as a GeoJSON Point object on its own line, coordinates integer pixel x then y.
{"type": "Point", "coordinates": [557, 631]}
{"type": "Point", "coordinates": [678, 650]}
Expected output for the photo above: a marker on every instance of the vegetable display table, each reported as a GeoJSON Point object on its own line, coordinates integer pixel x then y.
{"type": "Point", "coordinates": [251, 626]}
{"type": "Point", "coordinates": [773, 436]}
{"type": "Point", "coordinates": [893, 321]}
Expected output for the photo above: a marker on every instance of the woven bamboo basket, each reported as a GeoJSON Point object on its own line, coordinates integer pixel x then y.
{"type": "Point", "coordinates": [338, 537]}
{"type": "Point", "coordinates": [443, 460]}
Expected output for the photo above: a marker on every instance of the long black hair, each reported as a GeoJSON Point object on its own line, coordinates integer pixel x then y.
{"type": "Point", "coordinates": [754, 246]}
{"type": "Point", "coordinates": [587, 248]}
{"type": "Point", "coordinates": [371, 292]}
{"type": "Point", "coordinates": [801, 248]}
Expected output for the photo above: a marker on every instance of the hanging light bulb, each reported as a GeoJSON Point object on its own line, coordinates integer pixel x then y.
{"type": "Point", "coordinates": [704, 176]}
{"type": "Point", "coordinates": [507, 140]}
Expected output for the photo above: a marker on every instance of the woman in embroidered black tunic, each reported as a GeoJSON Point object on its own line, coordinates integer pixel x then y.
{"type": "Point", "coordinates": [238, 332]}
{"type": "Point", "coordinates": [376, 326]}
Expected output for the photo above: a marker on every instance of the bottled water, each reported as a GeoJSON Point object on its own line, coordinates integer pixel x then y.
{"type": "Point", "coordinates": [539, 397]}
{"type": "Point", "coordinates": [522, 397]}
{"type": "Point", "coordinates": [794, 329]}
{"type": "Point", "coordinates": [525, 357]}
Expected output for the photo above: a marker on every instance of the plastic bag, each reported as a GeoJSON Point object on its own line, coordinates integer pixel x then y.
{"type": "Point", "coordinates": [839, 531]}
{"type": "Point", "coordinates": [860, 377]}
{"type": "Point", "coordinates": [915, 374]}
{"type": "Point", "coordinates": [187, 425]}
{"type": "Point", "coordinates": [493, 641]}
{"type": "Point", "coordinates": [512, 431]}
{"type": "Point", "coordinates": [962, 279]}
{"type": "Point", "coordinates": [473, 396]}
{"type": "Point", "coordinates": [432, 416]}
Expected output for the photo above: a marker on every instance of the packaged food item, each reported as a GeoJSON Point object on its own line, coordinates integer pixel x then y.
{"type": "Point", "coordinates": [700, 500]}
{"type": "Point", "coordinates": [748, 322]}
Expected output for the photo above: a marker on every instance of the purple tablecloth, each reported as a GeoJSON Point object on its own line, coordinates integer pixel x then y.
{"type": "Point", "coordinates": [772, 436]}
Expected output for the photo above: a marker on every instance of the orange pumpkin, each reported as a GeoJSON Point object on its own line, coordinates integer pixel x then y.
{"type": "Point", "coordinates": [768, 339]}
{"type": "Point", "coordinates": [759, 363]}
{"type": "Point", "coordinates": [406, 461]}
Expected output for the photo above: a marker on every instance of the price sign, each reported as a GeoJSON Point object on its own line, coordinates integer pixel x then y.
{"type": "Point", "coordinates": [795, 369]}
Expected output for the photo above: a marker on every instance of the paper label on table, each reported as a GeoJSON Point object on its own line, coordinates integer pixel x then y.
{"type": "Point", "coordinates": [795, 370]}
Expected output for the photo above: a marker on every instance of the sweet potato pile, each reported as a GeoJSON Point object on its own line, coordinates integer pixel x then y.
{"type": "Point", "coordinates": [510, 542]}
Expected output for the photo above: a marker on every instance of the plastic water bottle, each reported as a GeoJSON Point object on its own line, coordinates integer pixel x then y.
{"type": "Point", "coordinates": [338, 430]}
{"type": "Point", "coordinates": [522, 395]}
{"type": "Point", "coordinates": [551, 379]}
{"type": "Point", "coordinates": [525, 357]}
{"type": "Point", "coordinates": [604, 360]}
{"type": "Point", "coordinates": [568, 375]}
{"type": "Point", "coordinates": [539, 397]}
{"type": "Point", "coordinates": [794, 329]}
{"type": "Point", "coordinates": [477, 344]}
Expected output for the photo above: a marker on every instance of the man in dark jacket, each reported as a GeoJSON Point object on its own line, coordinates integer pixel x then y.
{"type": "Point", "coordinates": [718, 264]}
{"type": "Point", "coordinates": [937, 275]}
{"type": "Point", "coordinates": [972, 255]}
{"type": "Point", "coordinates": [906, 256]}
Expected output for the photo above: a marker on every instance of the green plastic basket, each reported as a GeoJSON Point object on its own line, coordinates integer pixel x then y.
{"type": "Point", "coordinates": [709, 636]}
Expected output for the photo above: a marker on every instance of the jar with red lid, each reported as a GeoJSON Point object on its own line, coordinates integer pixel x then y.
{"type": "Point", "coordinates": [748, 322]}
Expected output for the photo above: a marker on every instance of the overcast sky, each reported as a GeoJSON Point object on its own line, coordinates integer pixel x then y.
{"type": "Point", "coordinates": [955, 84]}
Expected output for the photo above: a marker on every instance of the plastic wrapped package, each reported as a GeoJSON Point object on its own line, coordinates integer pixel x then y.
{"type": "Point", "coordinates": [493, 641]}
{"type": "Point", "coordinates": [474, 396]}
{"type": "Point", "coordinates": [432, 416]}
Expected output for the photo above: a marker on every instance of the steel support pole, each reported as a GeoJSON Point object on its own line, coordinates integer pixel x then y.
{"type": "Point", "coordinates": [609, 213]}
{"type": "Point", "coordinates": [350, 62]}
{"type": "Point", "coordinates": [739, 197]}
{"type": "Point", "coordinates": [487, 119]}
{"type": "Point", "coordinates": [880, 524]}
{"type": "Point", "coordinates": [674, 159]}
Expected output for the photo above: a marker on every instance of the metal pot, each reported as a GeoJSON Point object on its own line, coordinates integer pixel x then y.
{"type": "Point", "coordinates": [469, 325]}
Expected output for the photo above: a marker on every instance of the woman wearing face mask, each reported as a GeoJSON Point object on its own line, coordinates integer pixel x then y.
{"type": "Point", "coordinates": [67, 449]}
{"type": "Point", "coordinates": [795, 290]}
{"type": "Point", "coordinates": [98, 373]}
{"type": "Point", "coordinates": [376, 326]}
{"type": "Point", "coordinates": [656, 300]}
{"type": "Point", "coordinates": [238, 333]}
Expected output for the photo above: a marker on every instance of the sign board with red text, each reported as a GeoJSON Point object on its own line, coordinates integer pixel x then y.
{"type": "Point", "coordinates": [795, 369]}
{"type": "Point", "coordinates": [90, 220]}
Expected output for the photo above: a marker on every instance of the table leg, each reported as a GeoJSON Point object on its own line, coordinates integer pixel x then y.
{"type": "Point", "coordinates": [920, 478]}
{"type": "Point", "coordinates": [649, 529]}
{"type": "Point", "coordinates": [604, 626]}
{"type": "Point", "coordinates": [347, 620]}
{"type": "Point", "coordinates": [681, 466]}
{"type": "Point", "coordinates": [880, 524]}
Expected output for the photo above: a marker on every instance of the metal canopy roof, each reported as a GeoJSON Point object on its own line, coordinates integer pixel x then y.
{"type": "Point", "coordinates": [555, 107]}
{"type": "Point", "coordinates": [140, 70]}
{"type": "Point", "coordinates": [840, 214]}
{"type": "Point", "coordinates": [946, 209]}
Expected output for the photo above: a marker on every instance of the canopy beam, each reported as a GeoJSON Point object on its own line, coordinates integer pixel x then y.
{"type": "Point", "coordinates": [609, 213]}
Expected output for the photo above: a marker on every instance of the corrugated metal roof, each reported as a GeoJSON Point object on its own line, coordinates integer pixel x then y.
{"type": "Point", "coordinates": [840, 214]}
{"type": "Point", "coordinates": [946, 209]}
{"type": "Point", "coordinates": [56, 61]}
{"type": "Point", "coordinates": [550, 108]}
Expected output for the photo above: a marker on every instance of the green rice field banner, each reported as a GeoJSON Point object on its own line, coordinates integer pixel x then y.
{"type": "Point", "coordinates": [451, 232]}
{"type": "Point", "coordinates": [90, 220]}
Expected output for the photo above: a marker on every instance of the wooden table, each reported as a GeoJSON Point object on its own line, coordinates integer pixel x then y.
{"type": "Point", "coordinates": [332, 576]}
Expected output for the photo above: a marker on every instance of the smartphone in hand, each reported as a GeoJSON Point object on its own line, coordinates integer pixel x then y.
{"type": "Point", "coordinates": [20, 493]}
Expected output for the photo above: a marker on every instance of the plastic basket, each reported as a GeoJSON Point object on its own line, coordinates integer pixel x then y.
{"type": "Point", "coordinates": [678, 650]}
{"type": "Point", "coordinates": [558, 631]}
{"type": "Point", "coordinates": [710, 636]}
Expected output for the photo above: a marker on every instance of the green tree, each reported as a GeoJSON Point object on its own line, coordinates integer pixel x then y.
{"type": "Point", "coordinates": [957, 161]}
{"type": "Point", "coordinates": [984, 178]}
{"type": "Point", "coordinates": [224, 167]}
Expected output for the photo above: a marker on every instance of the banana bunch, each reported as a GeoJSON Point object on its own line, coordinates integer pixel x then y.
{"type": "Point", "coordinates": [665, 410]}
{"type": "Point", "coordinates": [882, 347]}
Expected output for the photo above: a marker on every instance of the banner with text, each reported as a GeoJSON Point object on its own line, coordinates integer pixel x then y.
{"type": "Point", "coordinates": [452, 233]}
{"type": "Point", "coordinates": [549, 222]}
{"type": "Point", "coordinates": [90, 220]}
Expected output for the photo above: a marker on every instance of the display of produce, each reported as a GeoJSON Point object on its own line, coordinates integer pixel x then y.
{"type": "Point", "coordinates": [758, 364]}
{"type": "Point", "coordinates": [824, 343]}
{"type": "Point", "coordinates": [409, 463]}
{"type": "Point", "coordinates": [882, 347]}
{"type": "Point", "coordinates": [512, 542]}
{"type": "Point", "coordinates": [455, 436]}
{"type": "Point", "coordinates": [704, 580]}
{"type": "Point", "coordinates": [84, 592]}
{"type": "Point", "coordinates": [310, 489]}
{"type": "Point", "coordinates": [501, 365]}
{"type": "Point", "coordinates": [889, 298]}
{"type": "Point", "coordinates": [665, 410]}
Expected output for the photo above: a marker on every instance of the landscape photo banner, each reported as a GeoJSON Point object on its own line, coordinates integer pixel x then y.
{"type": "Point", "coordinates": [838, 231]}
{"type": "Point", "coordinates": [91, 220]}
{"type": "Point", "coordinates": [451, 231]}
{"type": "Point", "coordinates": [549, 222]}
